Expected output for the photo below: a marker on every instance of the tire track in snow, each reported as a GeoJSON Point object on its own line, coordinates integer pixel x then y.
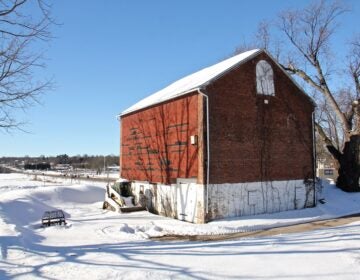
{"type": "Point", "coordinates": [265, 232]}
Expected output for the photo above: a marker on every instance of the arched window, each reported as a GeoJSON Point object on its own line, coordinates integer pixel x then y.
{"type": "Point", "coordinates": [264, 78]}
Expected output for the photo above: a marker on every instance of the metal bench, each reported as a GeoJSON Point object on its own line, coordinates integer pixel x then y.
{"type": "Point", "coordinates": [53, 217]}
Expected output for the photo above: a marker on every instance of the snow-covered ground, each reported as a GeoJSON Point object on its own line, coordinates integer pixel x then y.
{"type": "Point", "coordinates": [98, 244]}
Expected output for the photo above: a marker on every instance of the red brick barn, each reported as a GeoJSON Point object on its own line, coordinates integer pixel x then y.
{"type": "Point", "coordinates": [232, 139]}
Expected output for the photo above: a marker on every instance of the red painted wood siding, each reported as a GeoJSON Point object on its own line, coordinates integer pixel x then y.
{"type": "Point", "coordinates": [155, 142]}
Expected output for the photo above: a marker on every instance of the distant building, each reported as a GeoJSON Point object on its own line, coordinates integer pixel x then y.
{"type": "Point", "coordinates": [327, 168]}
{"type": "Point", "coordinates": [113, 168]}
{"type": "Point", "coordinates": [233, 139]}
{"type": "Point", "coordinates": [37, 165]}
{"type": "Point", "coordinates": [62, 167]}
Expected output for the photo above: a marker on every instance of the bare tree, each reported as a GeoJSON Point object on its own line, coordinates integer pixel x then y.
{"type": "Point", "coordinates": [354, 70]}
{"type": "Point", "coordinates": [309, 32]}
{"type": "Point", "coordinates": [22, 24]}
{"type": "Point", "coordinates": [305, 51]}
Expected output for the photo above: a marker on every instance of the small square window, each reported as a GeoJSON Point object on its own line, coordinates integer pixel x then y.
{"type": "Point", "coordinates": [328, 172]}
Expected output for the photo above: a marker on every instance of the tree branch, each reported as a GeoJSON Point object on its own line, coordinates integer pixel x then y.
{"type": "Point", "coordinates": [19, 32]}
{"type": "Point", "coordinates": [12, 9]}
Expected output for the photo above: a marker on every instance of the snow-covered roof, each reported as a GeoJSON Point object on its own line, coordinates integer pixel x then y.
{"type": "Point", "coordinates": [192, 82]}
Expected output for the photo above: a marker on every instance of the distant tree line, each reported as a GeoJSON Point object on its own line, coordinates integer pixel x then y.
{"type": "Point", "coordinates": [95, 162]}
{"type": "Point", "coordinates": [86, 161]}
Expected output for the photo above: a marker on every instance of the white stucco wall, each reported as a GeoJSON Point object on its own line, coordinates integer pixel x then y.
{"type": "Point", "coordinates": [243, 199]}
{"type": "Point", "coordinates": [168, 201]}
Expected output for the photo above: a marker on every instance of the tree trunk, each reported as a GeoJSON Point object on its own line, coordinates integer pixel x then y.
{"type": "Point", "coordinates": [349, 171]}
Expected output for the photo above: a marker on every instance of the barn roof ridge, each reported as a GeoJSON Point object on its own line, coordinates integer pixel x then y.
{"type": "Point", "coordinates": [199, 79]}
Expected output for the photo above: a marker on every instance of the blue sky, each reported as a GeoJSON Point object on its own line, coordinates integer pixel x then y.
{"type": "Point", "coordinates": [107, 55]}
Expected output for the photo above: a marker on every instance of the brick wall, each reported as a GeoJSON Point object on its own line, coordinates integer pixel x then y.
{"type": "Point", "coordinates": [252, 141]}
{"type": "Point", "coordinates": [155, 142]}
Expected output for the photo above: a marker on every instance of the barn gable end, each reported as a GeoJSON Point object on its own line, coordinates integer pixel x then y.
{"type": "Point", "coordinates": [258, 134]}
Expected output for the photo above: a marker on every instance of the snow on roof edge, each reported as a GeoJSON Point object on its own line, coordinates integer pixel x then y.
{"type": "Point", "coordinates": [128, 111]}
{"type": "Point", "coordinates": [224, 66]}
{"type": "Point", "coordinates": [191, 82]}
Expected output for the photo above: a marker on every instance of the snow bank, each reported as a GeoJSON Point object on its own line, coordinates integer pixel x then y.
{"type": "Point", "coordinates": [23, 203]}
